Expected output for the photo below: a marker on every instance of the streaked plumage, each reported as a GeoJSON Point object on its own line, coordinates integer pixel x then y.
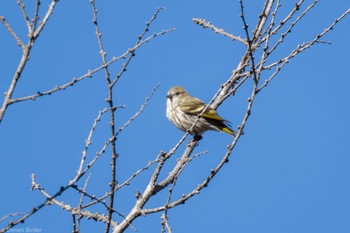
{"type": "Point", "coordinates": [183, 110]}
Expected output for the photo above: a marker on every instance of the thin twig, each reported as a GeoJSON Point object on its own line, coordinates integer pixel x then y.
{"type": "Point", "coordinates": [9, 216]}
{"type": "Point", "coordinates": [110, 102]}
{"type": "Point", "coordinates": [25, 15]}
{"type": "Point", "coordinates": [96, 200]}
{"type": "Point", "coordinates": [42, 24]}
{"type": "Point", "coordinates": [36, 15]}
{"type": "Point", "coordinates": [7, 26]}
{"type": "Point", "coordinates": [88, 141]}
{"type": "Point", "coordinates": [90, 72]}
{"type": "Point", "coordinates": [300, 48]}
{"type": "Point", "coordinates": [289, 29]}
{"type": "Point", "coordinates": [76, 224]}
{"type": "Point", "coordinates": [131, 52]}
{"type": "Point", "coordinates": [143, 106]}
{"type": "Point", "coordinates": [25, 54]}
{"type": "Point", "coordinates": [250, 42]}
{"type": "Point", "coordinates": [165, 224]}
{"type": "Point", "coordinates": [125, 183]}
{"type": "Point", "coordinates": [72, 210]}
{"type": "Point", "coordinates": [221, 31]}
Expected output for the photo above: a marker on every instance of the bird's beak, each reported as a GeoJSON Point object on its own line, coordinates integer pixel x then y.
{"type": "Point", "coordinates": [169, 97]}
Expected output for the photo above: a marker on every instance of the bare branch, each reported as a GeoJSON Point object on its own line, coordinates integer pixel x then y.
{"type": "Point", "coordinates": [49, 12]}
{"type": "Point", "coordinates": [9, 216]}
{"type": "Point", "coordinates": [76, 225]}
{"type": "Point", "coordinates": [255, 36]}
{"type": "Point", "coordinates": [109, 100]}
{"type": "Point", "coordinates": [95, 200]}
{"type": "Point", "coordinates": [25, 53]}
{"type": "Point", "coordinates": [299, 49]}
{"type": "Point", "coordinates": [36, 15]}
{"type": "Point", "coordinates": [7, 26]}
{"type": "Point", "coordinates": [153, 188]}
{"type": "Point", "coordinates": [283, 35]}
{"type": "Point", "coordinates": [76, 211]}
{"type": "Point", "coordinates": [89, 73]}
{"type": "Point", "coordinates": [220, 31]}
{"type": "Point", "coordinates": [35, 186]}
{"type": "Point", "coordinates": [25, 15]}
{"type": "Point", "coordinates": [8, 94]}
{"type": "Point", "coordinates": [165, 224]}
{"type": "Point", "coordinates": [288, 17]}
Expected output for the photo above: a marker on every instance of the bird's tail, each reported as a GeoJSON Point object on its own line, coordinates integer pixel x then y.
{"type": "Point", "coordinates": [228, 130]}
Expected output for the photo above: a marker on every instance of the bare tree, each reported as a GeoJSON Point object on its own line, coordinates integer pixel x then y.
{"type": "Point", "coordinates": [257, 68]}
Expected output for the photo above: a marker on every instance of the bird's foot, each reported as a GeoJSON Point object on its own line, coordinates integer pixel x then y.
{"type": "Point", "coordinates": [197, 137]}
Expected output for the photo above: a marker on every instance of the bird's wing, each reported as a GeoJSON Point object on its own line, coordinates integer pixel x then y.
{"type": "Point", "coordinates": [192, 106]}
{"type": "Point", "coordinates": [195, 106]}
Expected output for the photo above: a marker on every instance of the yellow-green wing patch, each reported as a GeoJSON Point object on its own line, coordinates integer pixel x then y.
{"type": "Point", "coordinates": [211, 114]}
{"type": "Point", "coordinates": [193, 106]}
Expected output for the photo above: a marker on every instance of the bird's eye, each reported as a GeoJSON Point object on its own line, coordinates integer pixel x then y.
{"type": "Point", "coordinates": [177, 93]}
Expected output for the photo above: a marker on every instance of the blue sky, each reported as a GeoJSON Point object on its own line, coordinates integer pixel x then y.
{"type": "Point", "coordinates": [289, 171]}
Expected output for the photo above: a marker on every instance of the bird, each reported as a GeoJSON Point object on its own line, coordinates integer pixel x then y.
{"type": "Point", "coordinates": [183, 110]}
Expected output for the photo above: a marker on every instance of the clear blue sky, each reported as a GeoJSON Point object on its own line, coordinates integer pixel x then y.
{"type": "Point", "coordinates": [289, 172]}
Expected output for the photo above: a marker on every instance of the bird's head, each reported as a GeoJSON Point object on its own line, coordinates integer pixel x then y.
{"type": "Point", "coordinates": [176, 92]}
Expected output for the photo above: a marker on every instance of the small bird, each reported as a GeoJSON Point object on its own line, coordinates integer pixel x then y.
{"type": "Point", "coordinates": [183, 110]}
